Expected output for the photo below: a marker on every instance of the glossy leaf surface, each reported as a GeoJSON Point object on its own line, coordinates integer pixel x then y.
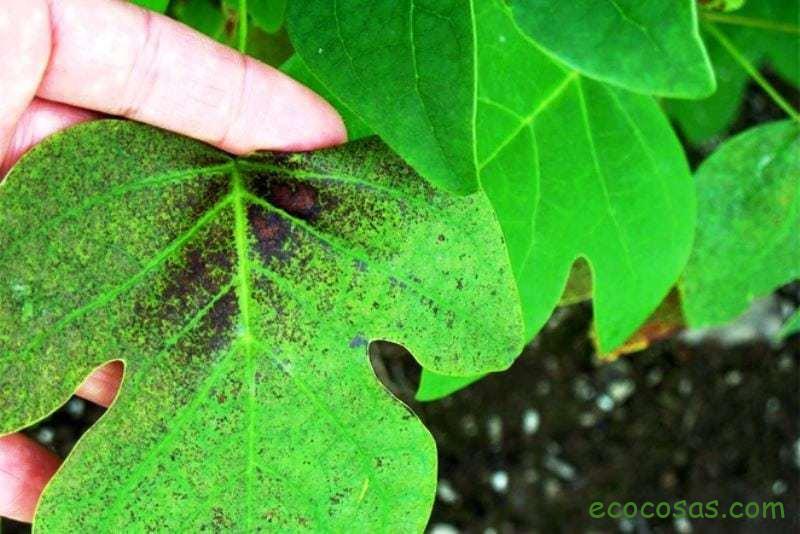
{"type": "Point", "coordinates": [651, 47]}
{"type": "Point", "coordinates": [749, 223]}
{"type": "Point", "coordinates": [765, 33]}
{"type": "Point", "coordinates": [241, 296]}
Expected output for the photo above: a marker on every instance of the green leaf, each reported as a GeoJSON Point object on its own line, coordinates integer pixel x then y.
{"type": "Point", "coordinates": [241, 296]}
{"type": "Point", "coordinates": [202, 15]}
{"type": "Point", "coordinates": [765, 33]}
{"type": "Point", "coordinates": [749, 205]}
{"type": "Point", "coordinates": [722, 5]}
{"type": "Point", "coordinates": [434, 386]}
{"type": "Point", "coordinates": [791, 326]}
{"type": "Point", "coordinates": [700, 120]}
{"type": "Point", "coordinates": [649, 47]}
{"type": "Point", "coordinates": [267, 14]}
{"type": "Point", "coordinates": [159, 6]}
{"type": "Point", "coordinates": [574, 168]}
{"type": "Point", "coordinates": [270, 48]}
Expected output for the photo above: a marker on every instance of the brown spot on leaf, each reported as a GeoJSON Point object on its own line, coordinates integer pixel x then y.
{"type": "Point", "coordinates": [299, 199]}
{"type": "Point", "coordinates": [220, 318]}
{"type": "Point", "coordinates": [270, 230]}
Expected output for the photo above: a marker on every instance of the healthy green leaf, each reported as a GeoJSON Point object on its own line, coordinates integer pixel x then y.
{"type": "Point", "coordinates": [574, 168]}
{"type": "Point", "coordinates": [202, 15]}
{"type": "Point", "coordinates": [159, 6]}
{"type": "Point", "coordinates": [764, 33]}
{"type": "Point", "coordinates": [649, 47]}
{"type": "Point", "coordinates": [241, 296]}
{"type": "Point", "coordinates": [721, 5]}
{"type": "Point", "coordinates": [747, 234]}
{"type": "Point", "coordinates": [267, 14]}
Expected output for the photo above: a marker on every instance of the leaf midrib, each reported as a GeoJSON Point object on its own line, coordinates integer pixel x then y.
{"type": "Point", "coordinates": [238, 198]}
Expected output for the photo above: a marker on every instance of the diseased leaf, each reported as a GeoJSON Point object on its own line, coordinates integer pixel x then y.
{"type": "Point", "coordinates": [765, 33]}
{"type": "Point", "coordinates": [574, 168]}
{"type": "Point", "coordinates": [651, 47]}
{"type": "Point", "coordinates": [241, 296]}
{"type": "Point", "coordinates": [434, 386]}
{"type": "Point", "coordinates": [747, 235]}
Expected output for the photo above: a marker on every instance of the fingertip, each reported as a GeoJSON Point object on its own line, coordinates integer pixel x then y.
{"type": "Point", "coordinates": [278, 113]}
{"type": "Point", "coordinates": [25, 469]}
{"type": "Point", "coordinates": [102, 385]}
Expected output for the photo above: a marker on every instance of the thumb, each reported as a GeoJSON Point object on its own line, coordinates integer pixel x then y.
{"type": "Point", "coordinates": [24, 53]}
{"type": "Point", "coordinates": [25, 469]}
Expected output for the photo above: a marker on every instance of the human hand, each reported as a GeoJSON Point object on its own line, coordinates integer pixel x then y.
{"type": "Point", "coordinates": [69, 61]}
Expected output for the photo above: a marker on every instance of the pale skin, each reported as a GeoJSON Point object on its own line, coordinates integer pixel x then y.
{"type": "Point", "coordinates": [70, 61]}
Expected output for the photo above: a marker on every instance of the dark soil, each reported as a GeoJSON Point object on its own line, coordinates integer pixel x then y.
{"type": "Point", "coordinates": [529, 450]}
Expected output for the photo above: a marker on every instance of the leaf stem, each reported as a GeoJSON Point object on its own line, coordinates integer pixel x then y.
{"type": "Point", "coordinates": [750, 22]}
{"type": "Point", "coordinates": [752, 71]}
{"type": "Point", "coordinates": [241, 27]}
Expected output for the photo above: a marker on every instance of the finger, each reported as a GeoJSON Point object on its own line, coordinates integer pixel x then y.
{"type": "Point", "coordinates": [102, 385]}
{"type": "Point", "coordinates": [25, 468]}
{"type": "Point", "coordinates": [113, 57]}
{"type": "Point", "coordinates": [24, 51]}
{"type": "Point", "coordinates": [41, 119]}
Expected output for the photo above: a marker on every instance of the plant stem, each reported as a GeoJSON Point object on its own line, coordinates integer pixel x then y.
{"type": "Point", "coordinates": [241, 26]}
{"type": "Point", "coordinates": [752, 71]}
{"type": "Point", "coordinates": [750, 22]}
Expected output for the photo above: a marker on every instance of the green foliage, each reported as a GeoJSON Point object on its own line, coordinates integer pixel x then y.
{"type": "Point", "coordinates": [202, 15]}
{"type": "Point", "coordinates": [722, 5]}
{"type": "Point", "coordinates": [649, 47]}
{"type": "Point", "coordinates": [399, 55]}
{"type": "Point", "coordinates": [548, 148]}
{"type": "Point", "coordinates": [155, 5]}
{"type": "Point", "coordinates": [267, 14]}
{"type": "Point", "coordinates": [241, 296]}
{"type": "Point", "coordinates": [749, 223]}
{"type": "Point", "coordinates": [434, 386]}
{"type": "Point", "coordinates": [764, 32]}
